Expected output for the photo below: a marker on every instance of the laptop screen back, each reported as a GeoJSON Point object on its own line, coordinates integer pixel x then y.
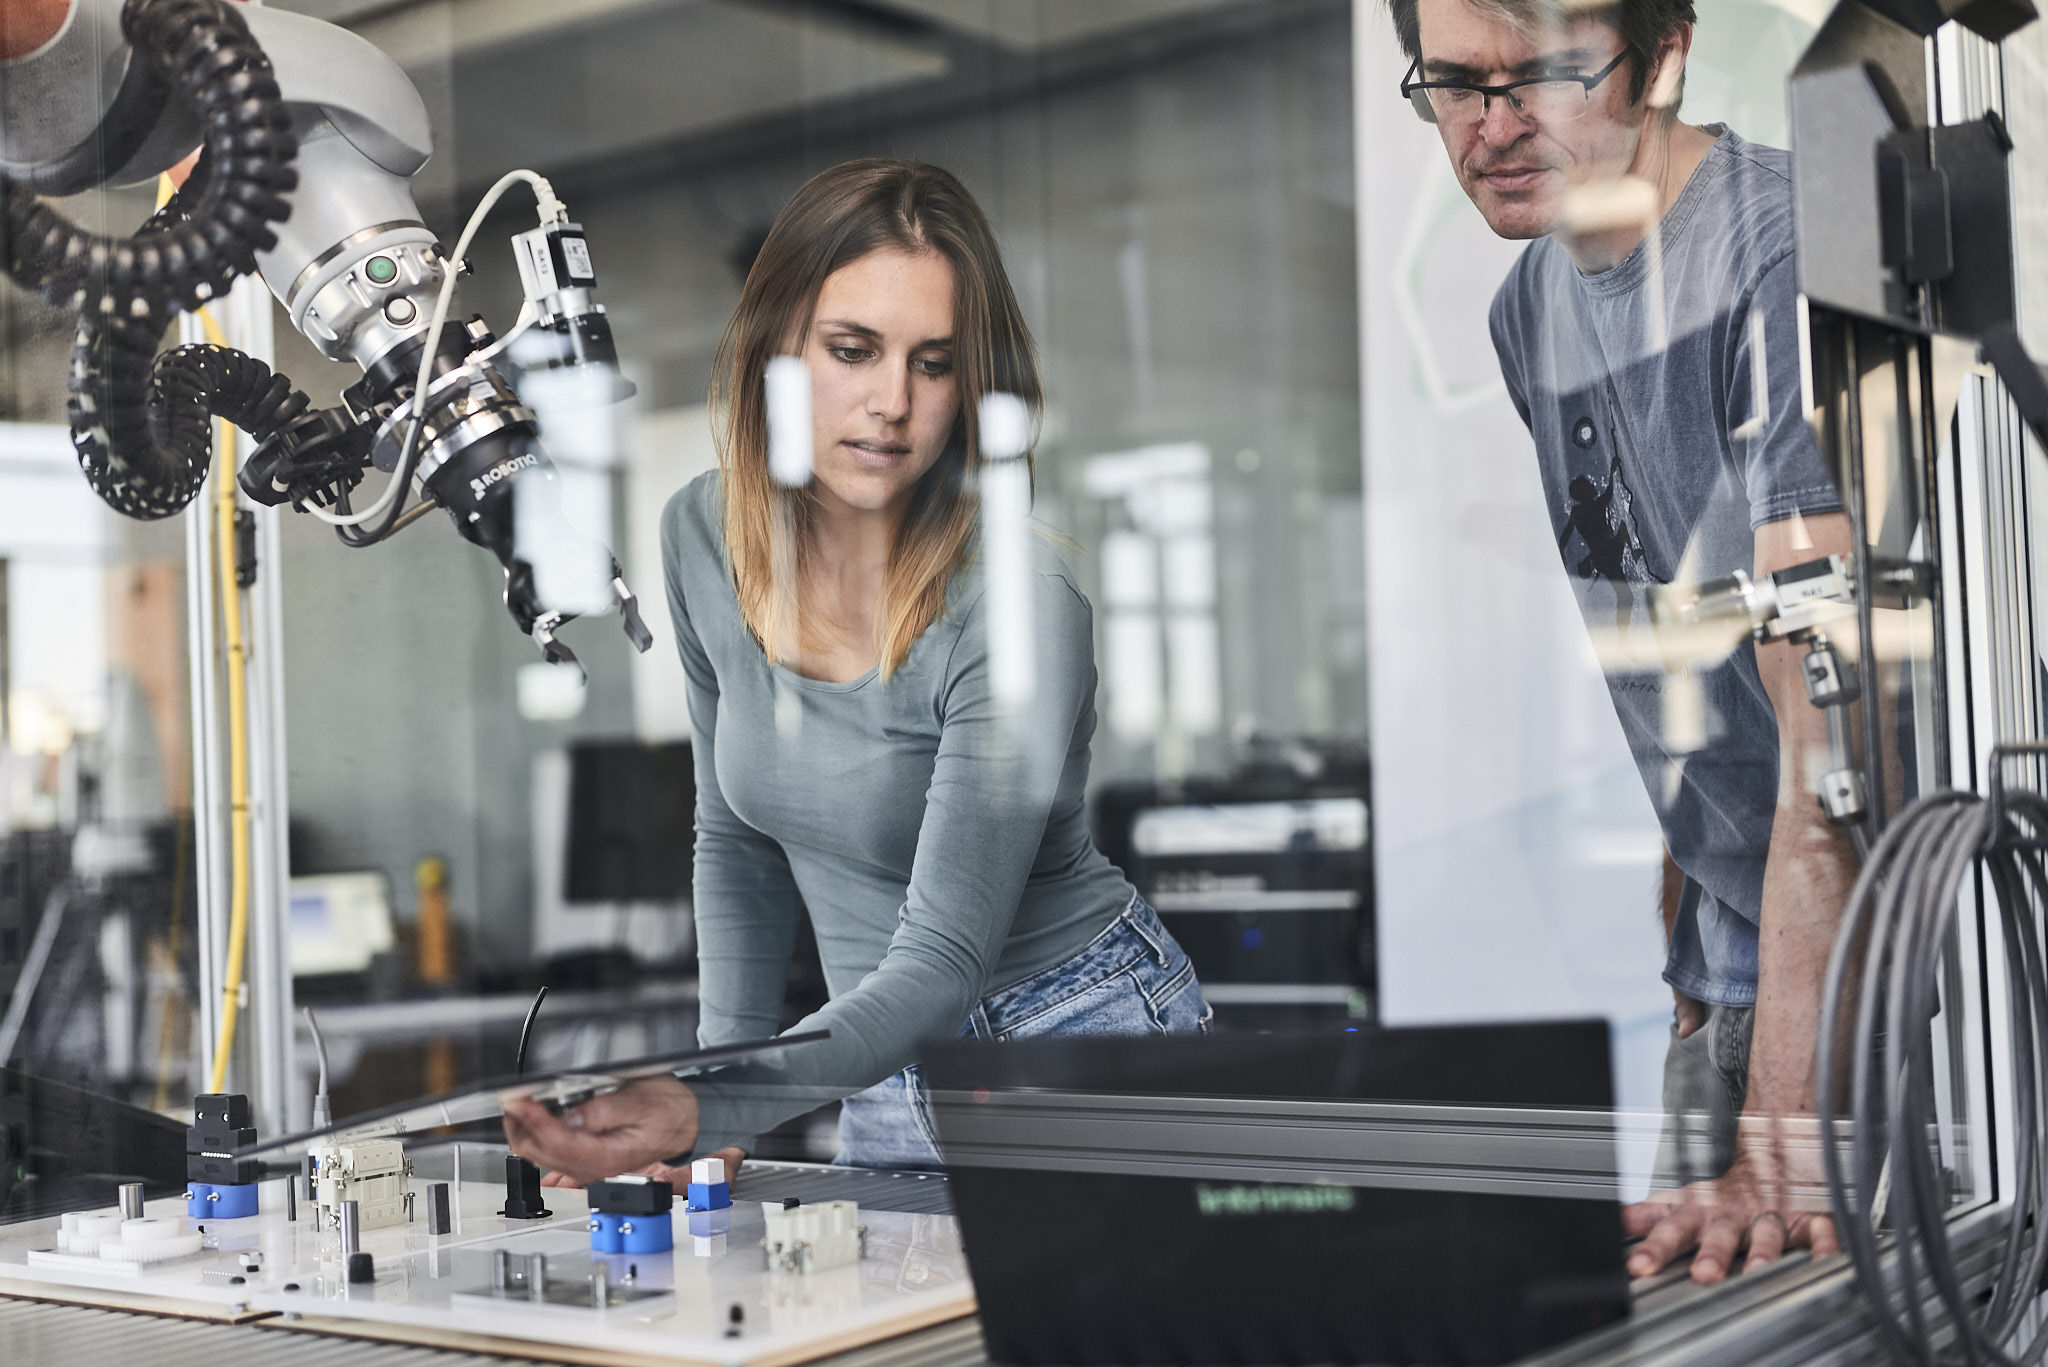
{"type": "Point", "coordinates": [1426, 1195]}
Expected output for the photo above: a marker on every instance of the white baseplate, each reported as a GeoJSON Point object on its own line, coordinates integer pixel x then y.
{"type": "Point", "coordinates": [912, 1274]}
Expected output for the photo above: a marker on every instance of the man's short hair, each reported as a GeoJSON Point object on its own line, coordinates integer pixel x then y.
{"type": "Point", "coordinates": [1645, 25]}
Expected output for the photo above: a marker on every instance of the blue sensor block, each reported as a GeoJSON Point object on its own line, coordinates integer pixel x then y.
{"type": "Point", "coordinates": [611, 1233]}
{"type": "Point", "coordinates": [207, 1201]}
{"type": "Point", "coordinates": [710, 1195]}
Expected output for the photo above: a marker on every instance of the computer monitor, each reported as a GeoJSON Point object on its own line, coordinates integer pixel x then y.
{"type": "Point", "coordinates": [631, 810]}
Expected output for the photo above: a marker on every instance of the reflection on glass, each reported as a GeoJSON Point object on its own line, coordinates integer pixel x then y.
{"type": "Point", "coordinates": [1651, 340]}
{"type": "Point", "coordinates": [851, 788]}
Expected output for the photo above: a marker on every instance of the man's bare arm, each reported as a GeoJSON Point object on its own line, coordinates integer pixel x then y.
{"type": "Point", "coordinates": [1808, 871]}
{"type": "Point", "coordinates": [1811, 865]}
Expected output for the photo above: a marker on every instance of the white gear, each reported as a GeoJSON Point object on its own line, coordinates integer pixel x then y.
{"type": "Point", "coordinates": [152, 1239]}
{"type": "Point", "coordinates": [84, 1233]}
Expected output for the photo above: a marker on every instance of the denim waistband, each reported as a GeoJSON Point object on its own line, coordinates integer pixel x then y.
{"type": "Point", "coordinates": [1134, 933]}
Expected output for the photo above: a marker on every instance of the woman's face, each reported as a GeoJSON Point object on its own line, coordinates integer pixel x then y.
{"type": "Point", "coordinates": [883, 391]}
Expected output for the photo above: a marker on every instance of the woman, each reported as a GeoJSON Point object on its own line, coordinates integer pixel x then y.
{"type": "Point", "coordinates": [850, 757]}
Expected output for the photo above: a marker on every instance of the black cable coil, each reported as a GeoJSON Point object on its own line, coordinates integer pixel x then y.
{"type": "Point", "coordinates": [139, 424]}
{"type": "Point", "coordinates": [205, 50]}
{"type": "Point", "coordinates": [1883, 966]}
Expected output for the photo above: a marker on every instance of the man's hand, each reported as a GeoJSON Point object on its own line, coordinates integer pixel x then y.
{"type": "Point", "coordinates": [1771, 1199]}
{"type": "Point", "coordinates": [623, 1131]}
{"type": "Point", "coordinates": [1687, 1014]}
{"type": "Point", "coordinates": [677, 1178]}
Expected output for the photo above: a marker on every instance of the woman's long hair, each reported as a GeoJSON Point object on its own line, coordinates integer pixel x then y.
{"type": "Point", "coordinates": [838, 217]}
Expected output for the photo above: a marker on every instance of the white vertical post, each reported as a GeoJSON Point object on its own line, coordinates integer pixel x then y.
{"type": "Point", "coordinates": [271, 1037]}
{"type": "Point", "coordinates": [209, 812]}
{"type": "Point", "coordinates": [265, 1070]}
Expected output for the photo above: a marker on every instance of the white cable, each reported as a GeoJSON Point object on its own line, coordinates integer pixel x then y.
{"type": "Point", "coordinates": [322, 1116]}
{"type": "Point", "coordinates": [550, 209]}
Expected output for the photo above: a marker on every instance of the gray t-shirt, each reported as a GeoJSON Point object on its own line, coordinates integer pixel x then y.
{"type": "Point", "coordinates": [940, 844]}
{"type": "Point", "coordinates": [1663, 444]}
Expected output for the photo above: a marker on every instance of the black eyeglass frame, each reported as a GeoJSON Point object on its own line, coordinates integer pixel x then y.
{"type": "Point", "coordinates": [1411, 88]}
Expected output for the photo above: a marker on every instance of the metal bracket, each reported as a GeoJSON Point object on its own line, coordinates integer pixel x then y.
{"type": "Point", "coordinates": [1995, 788]}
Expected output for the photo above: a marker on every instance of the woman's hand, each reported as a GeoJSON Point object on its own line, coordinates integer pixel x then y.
{"type": "Point", "coordinates": [623, 1131]}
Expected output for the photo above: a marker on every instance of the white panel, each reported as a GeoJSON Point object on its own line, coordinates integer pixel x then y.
{"type": "Point", "coordinates": [1188, 571]}
{"type": "Point", "coordinates": [1516, 852]}
{"type": "Point", "coordinates": [47, 510]}
{"type": "Point", "coordinates": [664, 451]}
{"type": "Point", "coordinates": [1194, 673]}
{"type": "Point", "coordinates": [1131, 668]}
{"type": "Point", "coordinates": [1130, 570]}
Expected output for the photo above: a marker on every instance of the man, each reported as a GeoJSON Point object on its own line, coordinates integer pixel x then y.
{"type": "Point", "coordinates": [1649, 339]}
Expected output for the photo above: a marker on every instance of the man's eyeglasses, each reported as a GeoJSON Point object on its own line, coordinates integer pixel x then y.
{"type": "Point", "coordinates": [1544, 99]}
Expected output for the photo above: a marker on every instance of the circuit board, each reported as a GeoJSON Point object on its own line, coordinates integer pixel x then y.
{"type": "Point", "coordinates": [713, 1299]}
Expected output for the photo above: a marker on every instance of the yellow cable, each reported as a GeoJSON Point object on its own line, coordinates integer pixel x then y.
{"type": "Point", "coordinates": [238, 739]}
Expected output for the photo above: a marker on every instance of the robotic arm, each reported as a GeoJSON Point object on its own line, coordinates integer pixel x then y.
{"type": "Point", "coordinates": [310, 138]}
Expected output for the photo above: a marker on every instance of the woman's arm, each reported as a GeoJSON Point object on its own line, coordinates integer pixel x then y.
{"type": "Point", "coordinates": [745, 898]}
{"type": "Point", "coordinates": [993, 784]}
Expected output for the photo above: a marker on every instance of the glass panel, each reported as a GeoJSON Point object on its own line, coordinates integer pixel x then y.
{"type": "Point", "coordinates": [1404, 501]}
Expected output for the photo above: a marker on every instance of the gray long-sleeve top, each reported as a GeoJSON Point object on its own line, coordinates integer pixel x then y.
{"type": "Point", "coordinates": [939, 843]}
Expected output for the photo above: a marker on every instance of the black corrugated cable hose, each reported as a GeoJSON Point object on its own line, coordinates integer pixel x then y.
{"type": "Point", "coordinates": [1883, 969]}
{"type": "Point", "coordinates": [139, 424]}
{"type": "Point", "coordinates": [206, 52]}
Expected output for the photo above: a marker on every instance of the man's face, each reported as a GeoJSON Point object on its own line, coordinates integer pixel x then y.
{"type": "Point", "coordinates": [1516, 170]}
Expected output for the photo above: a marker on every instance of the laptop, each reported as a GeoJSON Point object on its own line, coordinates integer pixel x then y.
{"type": "Point", "coordinates": [1442, 1194]}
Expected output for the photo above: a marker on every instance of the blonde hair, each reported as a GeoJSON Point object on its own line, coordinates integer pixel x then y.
{"type": "Point", "coordinates": [838, 217]}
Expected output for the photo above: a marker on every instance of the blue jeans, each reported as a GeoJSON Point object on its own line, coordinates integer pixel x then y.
{"type": "Point", "coordinates": [1132, 979]}
{"type": "Point", "coordinates": [1706, 1079]}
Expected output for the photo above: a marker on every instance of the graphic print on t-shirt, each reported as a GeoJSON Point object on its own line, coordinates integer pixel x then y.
{"type": "Point", "coordinates": [1600, 540]}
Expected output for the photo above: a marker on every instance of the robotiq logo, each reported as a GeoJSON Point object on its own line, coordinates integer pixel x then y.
{"type": "Point", "coordinates": [1273, 1200]}
{"type": "Point", "coordinates": [503, 470]}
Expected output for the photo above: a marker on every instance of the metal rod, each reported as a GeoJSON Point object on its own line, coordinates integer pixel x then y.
{"type": "Point", "coordinates": [31, 971]}
{"type": "Point", "coordinates": [501, 1270]}
{"type": "Point", "coordinates": [351, 1229]}
{"type": "Point", "coordinates": [6, 659]}
{"type": "Point", "coordinates": [412, 515]}
{"type": "Point", "coordinates": [600, 1284]}
{"type": "Point", "coordinates": [537, 1276]}
{"type": "Point", "coordinates": [1930, 498]}
{"type": "Point", "coordinates": [131, 1200]}
{"type": "Point", "coordinates": [291, 1197]}
{"type": "Point", "coordinates": [1854, 476]}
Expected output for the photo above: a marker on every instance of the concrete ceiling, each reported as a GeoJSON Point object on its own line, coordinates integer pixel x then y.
{"type": "Point", "coordinates": [581, 85]}
{"type": "Point", "coordinates": [1026, 26]}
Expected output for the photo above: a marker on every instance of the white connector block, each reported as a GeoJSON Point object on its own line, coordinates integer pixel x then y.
{"type": "Point", "coordinates": [812, 1238]}
{"type": "Point", "coordinates": [370, 1172]}
{"type": "Point", "coordinates": [709, 1171]}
